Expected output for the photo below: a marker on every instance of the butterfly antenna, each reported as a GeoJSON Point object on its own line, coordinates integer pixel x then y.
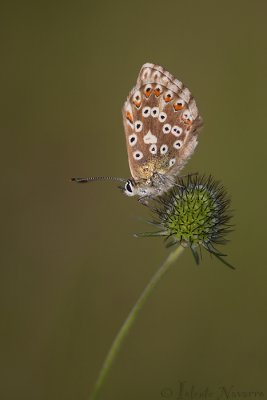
{"type": "Point", "coordinates": [97, 178]}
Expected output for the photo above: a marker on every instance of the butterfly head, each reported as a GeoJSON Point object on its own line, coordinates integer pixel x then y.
{"type": "Point", "coordinates": [147, 188]}
{"type": "Point", "coordinates": [133, 188]}
{"type": "Point", "coordinates": [141, 188]}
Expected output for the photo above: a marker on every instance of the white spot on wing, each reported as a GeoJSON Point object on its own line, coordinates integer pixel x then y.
{"type": "Point", "coordinates": [177, 144]}
{"type": "Point", "coordinates": [162, 116]}
{"type": "Point", "coordinates": [179, 104]}
{"type": "Point", "coordinates": [149, 138]}
{"type": "Point", "coordinates": [132, 139]}
{"type": "Point", "coordinates": [153, 149]}
{"type": "Point", "coordinates": [166, 128]}
{"type": "Point", "coordinates": [172, 162]}
{"type": "Point", "coordinates": [138, 155]}
{"type": "Point", "coordinates": [176, 130]}
{"type": "Point", "coordinates": [138, 125]}
{"type": "Point", "coordinates": [187, 116]}
{"type": "Point", "coordinates": [155, 112]}
{"type": "Point", "coordinates": [158, 89]}
{"type": "Point", "coordinates": [146, 112]}
{"type": "Point", "coordinates": [163, 149]}
{"type": "Point", "coordinates": [147, 88]}
{"type": "Point", "coordinates": [168, 95]}
{"type": "Point", "coordinates": [137, 95]}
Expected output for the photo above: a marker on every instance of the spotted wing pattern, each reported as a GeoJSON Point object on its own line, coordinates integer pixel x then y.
{"type": "Point", "coordinates": [161, 122]}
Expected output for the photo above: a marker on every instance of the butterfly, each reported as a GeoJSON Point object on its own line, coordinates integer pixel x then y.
{"type": "Point", "coordinates": [161, 123]}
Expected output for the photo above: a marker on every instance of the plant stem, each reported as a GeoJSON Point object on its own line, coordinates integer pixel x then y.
{"type": "Point", "coordinates": [116, 345]}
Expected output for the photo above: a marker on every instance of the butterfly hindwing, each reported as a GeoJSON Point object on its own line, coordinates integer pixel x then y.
{"type": "Point", "coordinates": [161, 123]}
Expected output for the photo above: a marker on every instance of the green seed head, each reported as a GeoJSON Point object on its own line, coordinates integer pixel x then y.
{"type": "Point", "coordinates": [194, 213]}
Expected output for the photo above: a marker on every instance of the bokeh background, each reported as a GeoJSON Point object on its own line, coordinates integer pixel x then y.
{"type": "Point", "coordinates": [70, 267]}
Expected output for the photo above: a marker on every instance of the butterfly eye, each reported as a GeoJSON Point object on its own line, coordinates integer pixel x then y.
{"type": "Point", "coordinates": [146, 112]}
{"type": "Point", "coordinates": [162, 116]}
{"type": "Point", "coordinates": [176, 130]}
{"type": "Point", "coordinates": [166, 128]}
{"type": "Point", "coordinates": [178, 144]}
{"type": "Point", "coordinates": [129, 188]}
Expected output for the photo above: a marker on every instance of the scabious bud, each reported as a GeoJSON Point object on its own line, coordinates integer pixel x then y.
{"type": "Point", "coordinates": [194, 213]}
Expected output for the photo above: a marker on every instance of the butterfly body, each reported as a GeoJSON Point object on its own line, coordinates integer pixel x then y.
{"type": "Point", "coordinates": [154, 186]}
{"type": "Point", "coordinates": [161, 123]}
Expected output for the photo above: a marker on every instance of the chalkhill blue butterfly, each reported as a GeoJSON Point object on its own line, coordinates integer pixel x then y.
{"type": "Point", "coordinates": [161, 123]}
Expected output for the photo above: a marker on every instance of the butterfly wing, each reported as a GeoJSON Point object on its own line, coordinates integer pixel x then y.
{"type": "Point", "coordinates": [161, 122]}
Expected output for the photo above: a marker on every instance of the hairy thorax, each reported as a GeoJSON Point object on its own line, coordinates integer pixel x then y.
{"type": "Point", "coordinates": [153, 167]}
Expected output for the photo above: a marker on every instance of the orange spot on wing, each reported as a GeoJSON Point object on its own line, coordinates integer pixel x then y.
{"type": "Point", "coordinates": [157, 92]}
{"type": "Point", "coordinates": [137, 103]}
{"type": "Point", "coordinates": [148, 92]}
{"type": "Point", "coordinates": [129, 116]}
{"type": "Point", "coordinates": [178, 107]}
{"type": "Point", "coordinates": [167, 99]}
{"type": "Point", "coordinates": [188, 121]}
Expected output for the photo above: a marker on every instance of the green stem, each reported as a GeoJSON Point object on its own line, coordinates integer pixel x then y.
{"type": "Point", "coordinates": [116, 345]}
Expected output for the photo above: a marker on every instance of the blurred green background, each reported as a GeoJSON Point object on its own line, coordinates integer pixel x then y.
{"type": "Point", "coordinates": [71, 269]}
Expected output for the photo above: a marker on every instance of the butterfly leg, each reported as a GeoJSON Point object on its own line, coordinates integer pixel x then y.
{"type": "Point", "coordinates": [188, 175]}
{"type": "Point", "coordinates": [144, 200]}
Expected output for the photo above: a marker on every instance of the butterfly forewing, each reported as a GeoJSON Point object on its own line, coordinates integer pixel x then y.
{"type": "Point", "coordinates": [161, 123]}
